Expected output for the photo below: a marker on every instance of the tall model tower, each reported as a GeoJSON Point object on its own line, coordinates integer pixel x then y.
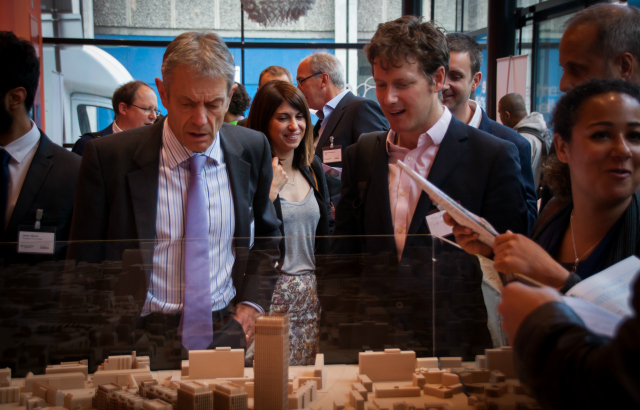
{"type": "Point", "coordinates": [271, 365]}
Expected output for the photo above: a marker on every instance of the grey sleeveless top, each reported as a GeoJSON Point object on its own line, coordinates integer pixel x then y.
{"type": "Point", "coordinates": [300, 220]}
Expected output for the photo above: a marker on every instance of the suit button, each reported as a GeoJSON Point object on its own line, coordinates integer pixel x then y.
{"type": "Point", "coordinates": [400, 230]}
{"type": "Point", "coordinates": [403, 193]}
{"type": "Point", "coordinates": [410, 158]}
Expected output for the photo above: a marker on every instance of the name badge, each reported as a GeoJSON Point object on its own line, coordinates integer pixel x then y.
{"type": "Point", "coordinates": [437, 226]}
{"type": "Point", "coordinates": [332, 154]}
{"type": "Point", "coordinates": [41, 241]}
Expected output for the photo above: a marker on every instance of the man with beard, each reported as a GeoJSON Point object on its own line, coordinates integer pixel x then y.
{"type": "Point", "coordinates": [37, 177]}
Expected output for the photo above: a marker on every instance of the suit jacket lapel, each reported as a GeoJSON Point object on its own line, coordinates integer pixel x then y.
{"type": "Point", "coordinates": [334, 118]}
{"type": "Point", "coordinates": [143, 182]}
{"type": "Point", "coordinates": [238, 171]}
{"type": "Point", "coordinates": [452, 149]}
{"type": "Point", "coordinates": [38, 170]}
{"type": "Point", "coordinates": [379, 192]}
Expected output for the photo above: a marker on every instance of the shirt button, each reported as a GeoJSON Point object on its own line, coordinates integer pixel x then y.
{"type": "Point", "coordinates": [403, 193]}
{"type": "Point", "coordinates": [410, 158]}
{"type": "Point", "coordinates": [400, 230]}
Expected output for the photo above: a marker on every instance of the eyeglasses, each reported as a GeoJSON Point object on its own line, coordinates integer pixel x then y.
{"type": "Point", "coordinates": [147, 111]}
{"type": "Point", "coordinates": [305, 79]}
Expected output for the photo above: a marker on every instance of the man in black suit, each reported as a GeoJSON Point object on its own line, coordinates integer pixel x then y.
{"type": "Point", "coordinates": [134, 104]}
{"type": "Point", "coordinates": [387, 210]}
{"type": "Point", "coordinates": [138, 186]}
{"type": "Point", "coordinates": [37, 177]}
{"type": "Point", "coordinates": [463, 78]}
{"type": "Point", "coordinates": [342, 115]}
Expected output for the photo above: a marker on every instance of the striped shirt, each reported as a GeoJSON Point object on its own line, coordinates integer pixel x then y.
{"type": "Point", "coordinates": [166, 287]}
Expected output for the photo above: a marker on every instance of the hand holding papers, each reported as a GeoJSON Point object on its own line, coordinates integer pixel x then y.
{"type": "Point", "coordinates": [486, 232]}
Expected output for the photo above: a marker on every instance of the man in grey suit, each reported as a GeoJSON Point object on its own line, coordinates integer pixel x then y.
{"type": "Point", "coordinates": [144, 184]}
{"type": "Point", "coordinates": [37, 177]}
{"type": "Point", "coordinates": [342, 115]}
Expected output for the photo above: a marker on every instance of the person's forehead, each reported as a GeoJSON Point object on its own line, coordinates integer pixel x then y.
{"type": "Point", "coordinates": [399, 68]}
{"type": "Point", "coordinates": [459, 61]}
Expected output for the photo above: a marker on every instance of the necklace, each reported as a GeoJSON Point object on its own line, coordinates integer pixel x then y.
{"type": "Point", "coordinates": [294, 179]}
{"type": "Point", "coordinates": [575, 250]}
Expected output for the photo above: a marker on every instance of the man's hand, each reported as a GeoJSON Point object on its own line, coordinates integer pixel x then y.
{"type": "Point", "coordinates": [280, 178]}
{"type": "Point", "coordinates": [516, 253]}
{"type": "Point", "coordinates": [518, 301]}
{"type": "Point", "coordinates": [467, 239]}
{"type": "Point", "coordinates": [246, 316]}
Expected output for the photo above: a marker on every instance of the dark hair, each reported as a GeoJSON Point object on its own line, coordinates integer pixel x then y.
{"type": "Point", "coordinates": [618, 28]}
{"type": "Point", "coordinates": [240, 101]}
{"type": "Point", "coordinates": [20, 67]}
{"type": "Point", "coordinates": [126, 94]}
{"type": "Point", "coordinates": [565, 117]}
{"type": "Point", "coordinates": [275, 71]}
{"type": "Point", "coordinates": [396, 41]}
{"type": "Point", "coordinates": [265, 104]}
{"type": "Point", "coordinates": [464, 43]}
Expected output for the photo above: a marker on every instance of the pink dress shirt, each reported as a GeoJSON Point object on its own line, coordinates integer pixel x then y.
{"type": "Point", "coordinates": [404, 193]}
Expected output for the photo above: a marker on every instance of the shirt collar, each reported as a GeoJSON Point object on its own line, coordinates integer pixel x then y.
{"type": "Point", "coordinates": [333, 103]}
{"type": "Point", "coordinates": [19, 148]}
{"type": "Point", "coordinates": [115, 127]}
{"type": "Point", "coordinates": [175, 153]}
{"type": "Point", "coordinates": [435, 134]}
{"type": "Point", "coordinates": [477, 114]}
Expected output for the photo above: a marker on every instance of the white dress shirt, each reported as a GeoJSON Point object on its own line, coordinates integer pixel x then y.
{"type": "Point", "coordinates": [166, 288]}
{"type": "Point", "coordinates": [21, 151]}
{"type": "Point", "coordinates": [477, 114]}
{"type": "Point", "coordinates": [404, 192]}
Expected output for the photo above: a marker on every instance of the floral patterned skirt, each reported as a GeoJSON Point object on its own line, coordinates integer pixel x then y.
{"type": "Point", "coordinates": [297, 295]}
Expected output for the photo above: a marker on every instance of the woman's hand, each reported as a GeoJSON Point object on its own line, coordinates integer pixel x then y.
{"type": "Point", "coordinates": [514, 253]}
{"type": "Point", "coordinates": [467, 239]}
{"type": "Point", "coordinates": [280, 178]}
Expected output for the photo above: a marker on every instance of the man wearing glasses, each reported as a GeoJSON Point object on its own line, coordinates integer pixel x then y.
{"type": "Point", "coordinates": [135, 104]}
{"type": "Point", "coordinates": [341, 114]}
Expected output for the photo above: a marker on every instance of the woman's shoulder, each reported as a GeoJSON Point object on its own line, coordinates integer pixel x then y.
{"type": "Point", "coordinates": [550, 212]}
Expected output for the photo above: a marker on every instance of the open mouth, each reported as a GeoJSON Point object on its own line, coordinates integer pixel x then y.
{"type": "Point", "coordinates": [620, 173]}
{"type": "Point", "coordinates": [397, 112]}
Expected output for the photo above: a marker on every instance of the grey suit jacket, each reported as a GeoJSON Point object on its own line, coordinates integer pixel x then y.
{"type": "Point", "coordinates": [117, 196]}
{"type": "Point", "coordinates": [352, 117]}
{"type": "Point", "coordinates": [49, 185]}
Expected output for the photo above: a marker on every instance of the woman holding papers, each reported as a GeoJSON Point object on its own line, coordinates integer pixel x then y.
{"type": "Point", "coordinates": [594, 220]}
{"type": "Point", "coordinates": [301, 198]}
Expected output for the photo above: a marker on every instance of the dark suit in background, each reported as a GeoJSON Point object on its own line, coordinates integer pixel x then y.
{"type": "Point", "coordinates": [117, 196]}
{"type": "Point", "coordinates": [78, 147]}
{"type": "Point", "coordinates": [473, 167]}
{"type": "Point", "coordinates": [49, 185]}
{"type": "Point", "coordinates": [524, 153]}
{"type": "Point", "coordinates": [352, 117]}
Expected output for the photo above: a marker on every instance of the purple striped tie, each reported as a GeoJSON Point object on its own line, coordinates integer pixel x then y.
{"type": "Point", "coordinates": [197, 326]}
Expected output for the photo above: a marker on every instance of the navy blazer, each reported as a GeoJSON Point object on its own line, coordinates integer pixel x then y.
{"type": "Point", "coordinates": [117, 196]}
{"type": "Point", "coordinates": [352, 117]}
{"type": "Point", "coordinates": [78, 147]}
{"type": "Point", "coordinates": [49, 185]}
{"type": "Point", "coordinates": [524, 153]}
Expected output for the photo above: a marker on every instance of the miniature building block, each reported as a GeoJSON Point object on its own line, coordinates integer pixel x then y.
{"type": "Point", "coordinates": [360, 389]}
{"type": "Point", "coordinates": [120, 377]}
{"type": "Point", "coordinates": [248, 387]}
{"type": "Point", "coordinates": [194, 396]}
{"type": "Point", "coordinates": [496, 377]}
{"type": "Point", "coordinates": [78, 401]}
{"type": "Point", "coordinates": [427, 363]}
{"type": "Point", "coordinates": [433, 376]}
{"type": "Point", "coordinates": [365, 381]}
{"type": "Point", "coordinates": [312, 388]}
{"type": "Point", "coordinates": [9, 395]}
{"type": "Point", "coordinates": [496, 390]}
{"type": "Point", "coordinates": [379, 405]}
{"type": "Point", "coordinates": [480, 362]}
{"type": "Point", "coordinates": [474, 388]}
{"type": "Point", "coordinates": [320, 371]}
{"type": "Point", "coordinates": [456, 388]}
{"type": "Point", "coordinates": [35, 402]}
{"type": "Point", "coordinates": [356, 400]}
{"type": "Point", "coordinates": [271, 364]}
{"type": "Point", "coordinates": [397, 391]}
{"type": "Point", "coordinates": [390, 365]}
{"type": "Point", "coordinates": [337, 406]}
{"type": "Point", "coordinates": [449, 378]}
{"type": "Point", "coordinates": [5, 377]}
{"type": "Point", "coordinates": [50, 394]}
{"type": "Point", "coordinates": [184, 368]}
{"type": "Point", "coordinates": [156, 404]}
{"type": "Point", "coordinates": [449, 362]}
{"type": "Point", "coordinates": [400, 406]}
{"type": "Point", "coordinates": [418, 380]}
{"type": "Point", "coordinates": [220, 363]}
{"type": "Point", "coordinates": [63, 381]}
{"type": "Point", "coordinates": [479, 376]}
{"type": "Point", "coordinates": [516, 386]}
{"type": "Point", "coordinates": [440, 392]}
{"type": "Point", "coordinates": [296, 400]}
{"type": "Point", "coordinates": [303, 380]}
{"type": "Point", "coordinates": [502, 360]}
{"type": "Point", "coordinates": [75, 367]}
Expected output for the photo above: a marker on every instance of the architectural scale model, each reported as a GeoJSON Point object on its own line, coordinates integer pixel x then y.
{"type": "Point", "coordinates": [271, 364]}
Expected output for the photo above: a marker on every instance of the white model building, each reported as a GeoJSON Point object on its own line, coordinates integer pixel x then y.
{"type": "Point", "coordinates": [229, 396]}
{"type": "Point", "coordinates": [271, 364]}
{"type": "Point", "coordinates": [194, 396]}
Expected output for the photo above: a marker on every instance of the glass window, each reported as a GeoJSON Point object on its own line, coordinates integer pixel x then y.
{"type": "Point", "coordinates": [475, 14]}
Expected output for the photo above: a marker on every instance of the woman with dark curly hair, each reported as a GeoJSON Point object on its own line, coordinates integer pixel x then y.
{"type": "Point", "coordinates": [593, 221]}
{"type": "Point", "coordinates": [301, 198]}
